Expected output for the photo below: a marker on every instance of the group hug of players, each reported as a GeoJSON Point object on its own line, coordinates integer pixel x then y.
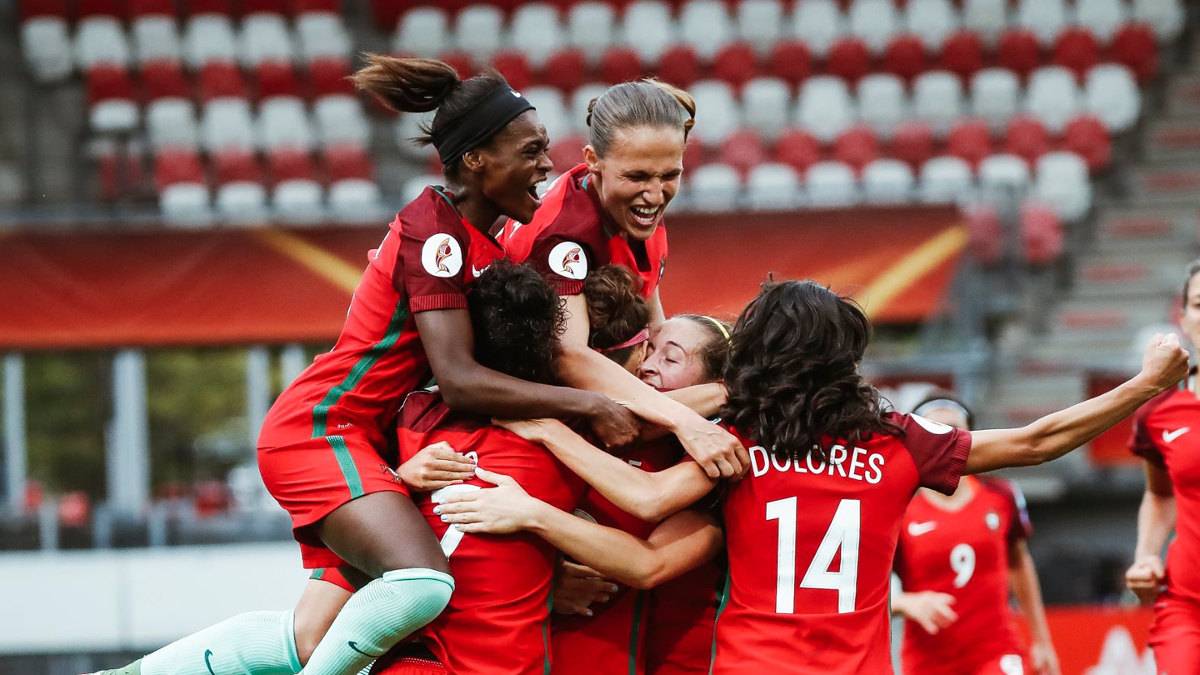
{"type": "Point", "coordinates": [562, 500]}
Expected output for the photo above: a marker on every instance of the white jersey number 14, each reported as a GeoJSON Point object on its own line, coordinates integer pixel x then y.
{"type": "Point", "coordinates": [843, 534]}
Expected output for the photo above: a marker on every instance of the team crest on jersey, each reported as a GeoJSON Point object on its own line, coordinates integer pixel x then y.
{"type": "Point", "coordinates": [568, 259]}
{"type": "Point", "coordinates": [993, 520]}
{"type": "Point", "coordinates": [442, 256]}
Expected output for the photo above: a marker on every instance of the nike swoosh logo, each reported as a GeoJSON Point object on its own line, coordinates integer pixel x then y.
{"type": "Point", "coordinates": [207, 663]}
{"type": "Point", "coordinates": [477, 272]}
{"type": "Point", "coordinates": [354, 646]}
{"type": "Point", "coordinates": [918, 529]}
{"type": "Point", "coordinates": [1170, 436]}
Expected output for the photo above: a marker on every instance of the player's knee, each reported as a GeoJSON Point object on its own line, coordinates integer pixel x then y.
{"type": "Point", "coordinates": [426, 592]}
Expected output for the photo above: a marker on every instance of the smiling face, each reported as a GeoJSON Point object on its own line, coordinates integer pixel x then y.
{"type": "Point", "coordinates": [514, 163]}
{"type": "Point", "coordinates": [674, 355]}
{"type": "Point", "coordinates": [638, 177]}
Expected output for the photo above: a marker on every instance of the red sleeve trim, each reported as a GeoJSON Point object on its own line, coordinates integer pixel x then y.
{"type": "Point", "coordinates": [427, 303]}
{"type": "Point", "coordinates": [567, 286]}
{"type": "Point", "coordinates": [958, 462]}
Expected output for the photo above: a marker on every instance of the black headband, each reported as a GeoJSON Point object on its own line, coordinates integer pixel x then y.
{"type": "Point", "coordinates": [477, 125]}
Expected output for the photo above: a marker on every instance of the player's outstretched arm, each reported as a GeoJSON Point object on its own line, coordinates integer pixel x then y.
{"type": "Point", "coordinates": [682, 542]}
{"type": "Point", "coordinates": [1156, 522]}
{"type": "Point", "coordinates": [649, 495]}
{"type": "Point", "coordinates": [1023, 578]}
{"type": "Point", "coordinates": [1164, 364]}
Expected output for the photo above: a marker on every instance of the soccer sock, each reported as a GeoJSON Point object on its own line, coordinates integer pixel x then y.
{"type": "Point", "coordinates": [254, 643]}
{"type": "Point", "coordinates": [378, 616]}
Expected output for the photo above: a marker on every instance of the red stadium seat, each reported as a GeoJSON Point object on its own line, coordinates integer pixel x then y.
{"type": "Point", "coordinates": [962, 54]}
{"type": "Point", "coordinates": [164, 79]}
{"type": "Point", "coordinates": [100, 8]}
{"type": "Point", "coordinates": [1018, 51]}
{"type": "Point", "coordinates": [743, 150]}
{"type": "Point", "coordinates": [177, 166]}
{"type": "Point", "coordinates": [290, 164]}
{"type": "Point", "coordinates": [790, 61]}
{"type": "Point", "coordinates": [303, 6]}
{"type": "Point", "coordinates": [620, 64]}
{"type": "Point", "coordinates": [913, 143]}
{"type": "Point", "coordinates": [461, 61]}
{"type": "Point", "coordinates": [985, 235]}
{"type": "Point", "coordinates": [1076, 48]}
{"type": "Point", "coordinates": [693, 154]}
{"type": "Point", "coordinates": [856, 146]}
{"type": "Point", "coordinates": [565, 69]}
{"type": "Point", "coordinates": [219, 79]}
{"type": "Point", "coordinates": [386, 13]}
{"type": "Point", "coordinates": [679, 65]}
{"type": "Point", "coordinates": [328, 77]}
{"type": "Point", "coordinates": [567, 151]}
{"type": "Point", "coordinates": [905, 57]}
{"type": "Point", "coordinates": [799, 149]}
{"type": "Point", "coordinates": [1027, 138]}
{"type": "Point", "coordinates": [970, 140]}
{"type": "Point", "coordinates": [137, 8]}
{"type": "Point", "coordinates": [1135, 46]}
{"type": "Point", "coordinates": [849, 59]}
{"type": "Point", "coordinates": [233, 166]}
{"type": "Point", "coordinates": [348, 162]}
{"type": "Point", "coordinates": [105, 82]}
{"type": "Point", "coordinates": [263, 7]}
{"type": "Point", "coordinates": [35, 8]}
{"type": "Point", "coordinates": [1041, 234]}
{"type": "Point", "coordinates": [515, 68]}
{"type": "Point", "coordinates": [276, 78]}
{"type": "Point", "coordinates": [736, 64]}
{"type": "Point", "coordinates": [194, 7]}
{"type": "Point", "coordinates": [1087, 137]}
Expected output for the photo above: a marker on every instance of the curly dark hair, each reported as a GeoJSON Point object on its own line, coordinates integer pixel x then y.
{"type": "Point", "coordinates": [517, 320]}
{"type": "Point", "coordinates": [792, 373]}
{"type": "Point", "coordinates": [616, 310]}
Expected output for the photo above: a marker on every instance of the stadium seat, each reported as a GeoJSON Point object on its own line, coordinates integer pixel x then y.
{"type": "Point", "coordinates": [1101, 17]}
{"type": "Point", "coordinates": [620, 64]}
{"type": "Point", "coordinates": [552, 110]}
{"type": "Point", "coordinates": [156, 38]}
{"type": "Point", "coordinates": [100, 8]}
{"type": "Point", "coordinates": [798, 149]}
{"type": "Point", "coordinates": [1134, 46]}
{"type": "Point", "coordinates": [100, 40]}
{"type": "Point", "coordinates": [164, 79]}
{"type": "Point", "coordinates": [565, 69]}
{"type": "Point", "coordinates": [305, 6]}
{"type": "Point", "coordinates": [283, 123]}
{"type": "Point", "coordinates": [136, 9]}
{"type": "Point", "coordinates": [825, 107]}
{"type": "Point", "coordinates": [1053, 97]}
{"type": "Point", "coordinates": [743, 150]}
{"type": "Point", "coordinates": [1062, 181]}
{"type": "Point", "coordinates": [328, 76]}
{"type": "Point", "coordinates": [208, 37]}
{"type": "Point", "coordinates": [830, 185]}
{"type": "Point", "coordinates": [760, 23]}
{"type": "Point", "coordinates": [227, 124]}
{"type": "Point", "coordinates": [849, 59]}
{"type": "Point", "coordinates": [1045, 18]}
{"type": "Point", "coordinates": [385, 14]}
{"type": "Point", "coordinates": [773, 187]}
{"type": "Point", "coordinates": [355, 201]}
{"type": "Point", "coordinates": [913, 143]}
{"type": "Point", "coordinates": [1087, 137]}
{"type": "Point", "coordinates": [408, 127]}
{"type": "Point", "coordinates": [679, 65]}
{"type": "Point", "coordinates": [1003, 177]}
{"type": "Point", "coordinates": [567, 152]}
{"type": "Point", "coordinates": [340, 120]}
{"type": "Point", "coordinates": [346, 162]}
{"type": "Point", "coordinates": [276, 78]}
{"type": "Point", "coordinates": [693, 153]}
{"type": "Point", "coordinates": [790, 61]}
{"type": "Point", "coordinates": [535, 28]}
{"type": "Point", "coordinates": [905, 57]}
{"type": "Point", "coordinates": [648, 29]}
{"type": "Point", "coordinates": [706, 26]}
{"type": "Point", "coordinates": [264, 37]}
{"type": "Point", "coordinates": [171, 123]}
{"type": "Point", "coordinates": [194, 8]}
{"type": "Point", "coordinates": [240, 195]}
{"type": "Point", "coordinates": [856, 147]}
{"type": "Point", "coordinates": [714, 187]}
{"type": "Point", "coordinates": [231, 166]}
{"type": "Point", "coordinates": [1019, 51]}
{"type": "Point", "coordinates": [1041, 234]}
{"type": "Point", "coordinates": [717, 112]}
{"type": "Point", "coordinates": [479, 30]}
{"type": "Point", "coordinates": [111, 104]}
{"type": "Point", "coordinates": [322, 35]}
{"type": "Point", "coordinates": [945, 180]}
{"type": "Point", "coordinates": [985, 234]}
{"type": "Point", "coordinates": [422, 31]}
{"type": "Point", "coordinates": [512, 64]}
{"type": "Point", "coordinates": [221, 79]}
{"type": "Point", "coordinates": [995, 96]}
{"type": "Point", "coordinates": [887, 181]}
{"type": "Point", "coordinates": [591, 26]}
{"type": "Point", "coordinates": [969, 140]}
{"type": "Point", "coordinates": [882, 103]}
{"type": "Point", "coordinates": [817, 23]}
{"type": "Point", "coordinates": [581, 98]}
{"type": "Point", "coordinates": [1026, 138]}
{"type": "Point", "coordinates": [251, 7]}
{"type": "Point", "coordinates": [875, 22]}
{"type": "Point", "coordinates": [182, 187]}
{"type": "Point", "coordinates": [937, 99]}
{"type": "Point", "coordinates": [1077, 50]}
{"type": "Point", "coordinates": [1111, 93]}
{"type": "Point", "coordinates": [46, 45]}
{"type": "Point", "coordinates": [932, 21]}
{"type": "Point", "coordinates": [413, 187]}
{"type": "Point", "coordinates": [40, 9]}
{"type": "Point", "coordinates": [765, 105]}
{"type": "Point", "coordinates": [297, 201]}
{"type": "Point", "coordinates": [736, 63]}
{"type": "Point", "coordinates": [962, 54]}
{"type": "Point", "coordinates": [988, 18]}
{"type": "Point", "coordinates": [1166, 17]}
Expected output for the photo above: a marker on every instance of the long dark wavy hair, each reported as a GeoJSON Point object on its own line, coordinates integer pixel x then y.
{"type": "Point", "coordinates": [792, 372]}
{"type": "Point", "coordinates": [616, 311]}
{"type": "Point", "coordinates": [517, 320]}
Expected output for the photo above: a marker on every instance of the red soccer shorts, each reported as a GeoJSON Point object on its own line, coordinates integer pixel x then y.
{"type": "Point", "coordinates": [407, 665]}
{"type": "Point", "coordinates": [1175, 634]}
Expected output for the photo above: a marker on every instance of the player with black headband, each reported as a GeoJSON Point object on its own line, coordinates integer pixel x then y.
{"type": "Point", "coordinates": [323, 451]}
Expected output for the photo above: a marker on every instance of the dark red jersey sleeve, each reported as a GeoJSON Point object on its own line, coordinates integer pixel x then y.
{"type": "Point", "coordinates": [1019, 525]}
{"type": "Point", "coordinates": [433, 255]}
{"type": "Point", "coordinates": [939, 451]}
{"type": "Point", "coordinates": [1141, 442]}
{"type": "Point", "coordinates": [563, 260]}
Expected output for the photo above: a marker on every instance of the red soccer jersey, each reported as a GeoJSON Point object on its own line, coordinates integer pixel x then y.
{"type": "Point", "coordinates": [497, 620]}
{"type": "Point", "coordinates": [1163, 434]}
{"type": "Point", "coordinates": [612, 640]}
{"type": "Point", "coordinates": [571, 234]}
{"type": "Point", "coordinates": [427, 261]}
{"type": "Point", "coordinates": [683, 617]}
{"type": "Point", "coordinates": [810, 551]}
{"type": "Point", "coordinates": [963, 553]}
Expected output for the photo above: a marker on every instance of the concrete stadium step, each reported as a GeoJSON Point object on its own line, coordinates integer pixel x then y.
{"type": "Point", "coordinates": [1146, 228]}
{"type": "Point", "coordinates": [1183, 94]}
{"type": "Point", "coordinates": [1175, 137]}
{"type": "Point", "coordinates": [1167, 183]}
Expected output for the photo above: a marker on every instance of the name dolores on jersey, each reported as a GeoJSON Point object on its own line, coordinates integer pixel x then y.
{"type": "Point", "coordinates": [857, 464]}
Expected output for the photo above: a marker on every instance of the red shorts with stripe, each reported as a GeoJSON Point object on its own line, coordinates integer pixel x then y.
{"type": "Point", "coordinates": [313, 477]}
{"type": "Point", "coordinates": [1175, 634]}
{"type": "Point", "coordinates": [401, 661]}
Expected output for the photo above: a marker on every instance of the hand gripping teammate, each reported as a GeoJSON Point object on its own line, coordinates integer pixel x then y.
{"type": "Point", "coordinates": [812, 529]}
{"type": "Point", "coordinates": [610, 210]}
{"type": "Point", "coordinates": [323, 447]}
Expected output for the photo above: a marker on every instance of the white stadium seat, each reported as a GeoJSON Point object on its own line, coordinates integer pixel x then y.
{"type": "Point", "coordinates": [171, 123]}
{"type": "Point", "coordinates": [882, 103]}
{"type": "Point", "coordinates": [298, 201]}
{"type": "Point", "coordinates": [875, 22]}
{"type": "Point", "coordinates": [551, 110]}
{"type": "Point", "coordinates": [1053, 97]}
{"type": "Point", "coordinates": [355, 200]}
{"type": "Point", "coordinates": [931, 21]}
{"type": "Point", "coordinates": [227, 124]}
{"type": "Point", "coordinates": [114, 115]}
{"type": "Point", "coordinates": [945, 180]}
{"type": "Point", "coordinates": [1111, 93]}
{"type": "Point", "coordinates": [185, 204]}
{"type": "Point", "coordinates": [340, 120]}
{"type": "Point", "coordinates": [772, 186]}
{"type": "Point", "coordinates": [1062, 182]}
{"type": "Point", "coordinates": [322, 34]}
{"type": "Point", "coordinates": [1101, 17]}
{"type": "Point", "coordinates": [766, 102]}
{"type": "Point", "coordinates": [408, 127]}
{"type": "Point", "coordinates": [423, 31]}
{"type": "Point", "coordinates": [479, 30]}
{"type": "Point", "coordinates": [831, 184]}
{"type": "Point", "coordinates": [581, 98]}
{"type": "Point", "coordinates": [714, 187]}
{"type": "Point", "coordinates": [591, 26]}
{"type": "Point", "coordinates": [817, 23]}
{"type": "Point", "coordinates": [825, 107]}
{"type": "Point", "coordinates": [156, 38]}
{"type": "Point", "coordinates": [717, 112]}
{"type": "Point", "coordinates": [1165, 16]}
{"type": "Point", "coordinates": [938, 100]}
{"type": "Point", "coordinates": [283, 123]}
{"type": "Point", "coordinates": [989, 18]}
{"type": "Point", "coordinates": [647, 27]}
{"type": "Point", "coordinates": [1003, 176]}
{"type": "Point", "coordinates": [413, 187]}
{"type": "Point", "coordinates": [1046, 18]}
{"type": "Point", "coordinates": [706, 26]}
{"type": "Point", "coordinates": [995, 96]}
{"type": "Point", "coordinates": [46, 44]}
{"type": "Point", "coordinates": [100, 39]}
{"type": "Point", "coordinates": [887, 181]}
{"type": "Point", "coordinates": [536, 30]}
{"type": "Point", "coordinates": [760, 23]}
{"type": "Point", "coordinates": [208, 37]}
{"type": "Point", "coordinates": [264, 38]}
{"type": "Point", "coordinates": [242, 203]}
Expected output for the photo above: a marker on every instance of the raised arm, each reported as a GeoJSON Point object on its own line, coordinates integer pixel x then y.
{"type": "Point", "coordinates": [1164, 364]}
{"type": "Point", "coordinates": [1156, 522]}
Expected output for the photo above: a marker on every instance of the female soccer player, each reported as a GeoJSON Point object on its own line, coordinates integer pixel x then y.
{"type": "Point", "coordinates": [809, 588]}
{"type": "Point", "coordinates": [323, 447]}
{"type": "Point", "coordinates": [610, 210]}
{"type": "Point", "coordinates": [957, 559]}
{"type": "Point", "coordinates": [1163, 437]}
